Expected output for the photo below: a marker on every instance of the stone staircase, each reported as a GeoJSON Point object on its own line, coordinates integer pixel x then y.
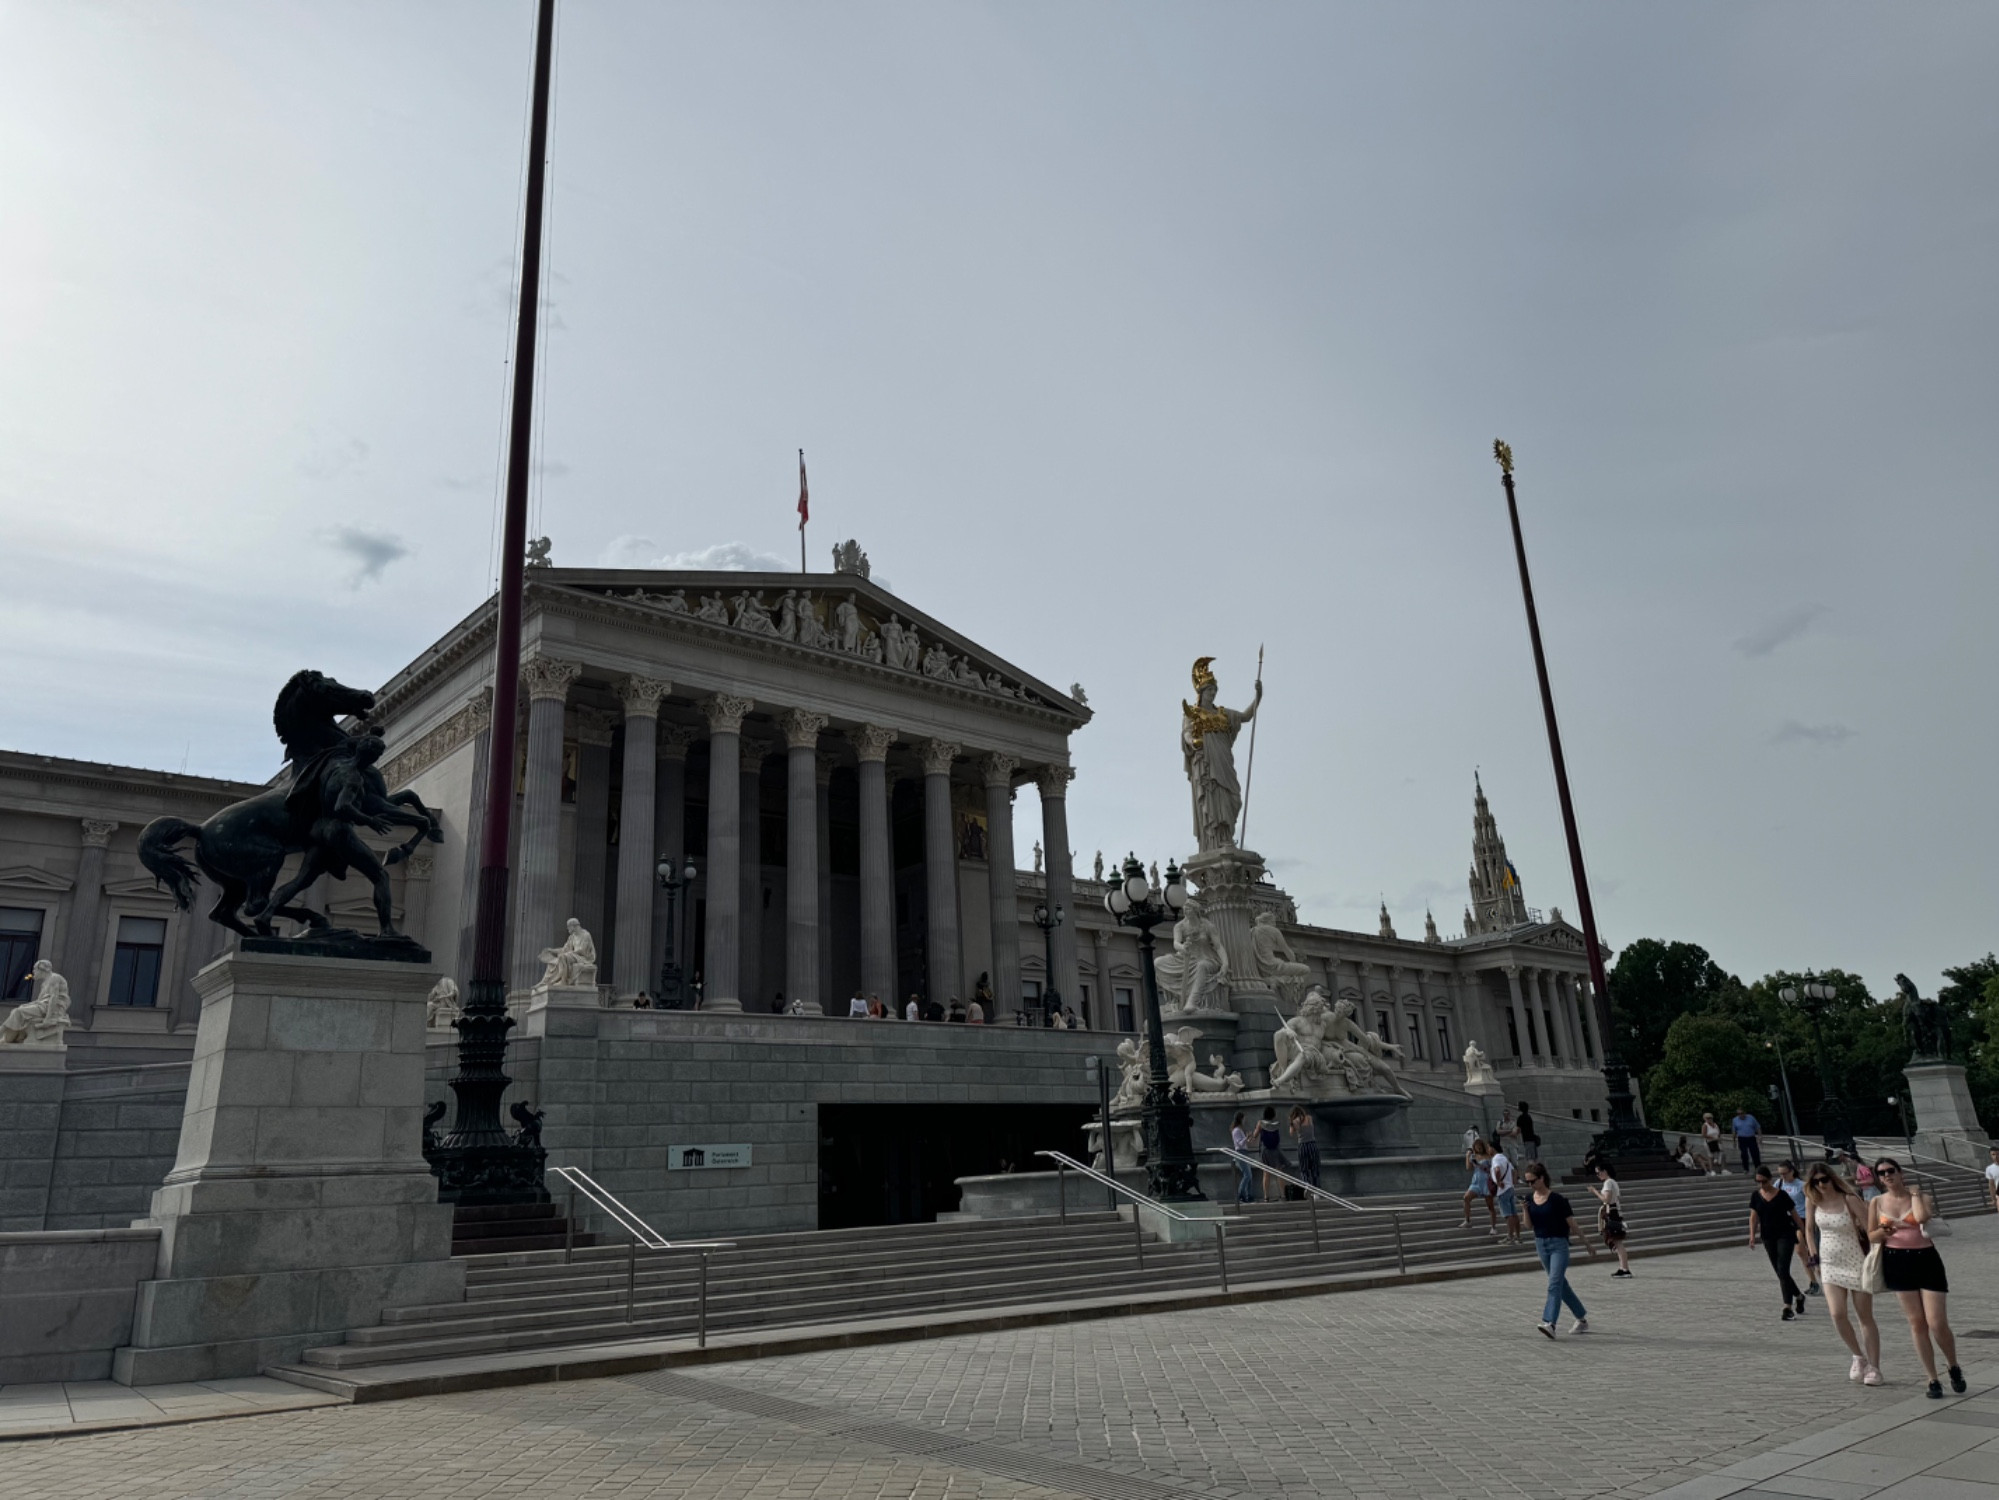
{"type": "Point", "coordinates": [525, 1301]}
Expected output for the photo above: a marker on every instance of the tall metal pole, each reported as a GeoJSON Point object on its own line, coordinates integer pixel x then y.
{"type": "Point", "coordinates": [1626, 1139]}
{"type": "Point", "coordinates": [480, 1161]}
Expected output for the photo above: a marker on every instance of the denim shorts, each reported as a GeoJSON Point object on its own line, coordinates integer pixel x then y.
{"type": "Point", "coordinates": [1507, 1207]}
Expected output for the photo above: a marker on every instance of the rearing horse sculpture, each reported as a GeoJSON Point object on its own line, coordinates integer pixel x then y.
{"type": "Point", "coordinates": [335, 786]}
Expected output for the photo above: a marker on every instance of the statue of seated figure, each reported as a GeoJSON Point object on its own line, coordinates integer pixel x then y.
{"type": "Point", "coordinates": [573, 965]}
{"type": "Point", "coordinates": [39, 1020]}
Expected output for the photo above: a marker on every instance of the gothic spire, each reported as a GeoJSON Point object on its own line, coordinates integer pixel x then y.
{"type": "Point", "coordinates": [1497, 904]}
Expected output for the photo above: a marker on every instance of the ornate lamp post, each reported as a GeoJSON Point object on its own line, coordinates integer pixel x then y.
{"type": "Point", "coordinates": [1170, 1172]}
{"type": "Point", "coordinates": [1048, 919]}
{"type": "Point", "coordinates": [1783, 1072]}
{"type": "Point", "coordinates": [675, 884]}
{"type": "Point", "coordinates": [1812, 997]}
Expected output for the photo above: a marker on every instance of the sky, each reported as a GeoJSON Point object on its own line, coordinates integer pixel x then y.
{"type": "Point", "coordinates": [1118, 335]}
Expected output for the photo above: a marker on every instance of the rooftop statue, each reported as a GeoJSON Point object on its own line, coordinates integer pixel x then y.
{"type": "Point", "coordinates": [335, 789]}
{"type": "Point", "coordinates": [1207, 747]}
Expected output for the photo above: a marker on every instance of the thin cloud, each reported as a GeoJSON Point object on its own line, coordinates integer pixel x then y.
{"type": "Point", "coordinates": [723, 557]}
{"type": "Point", "coordinates": [1779, 629]}
{"type": "Point", "coordinates": [372, 551]}
{"type": "Point", "coordinates": [1794, 733]}
{"type": "Point", "coordinates": [332, 460]}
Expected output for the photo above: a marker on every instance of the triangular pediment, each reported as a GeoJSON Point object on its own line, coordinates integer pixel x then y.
{"type": "Point", "coordinates": [28, 877]}
{"type": "Point", "coordinates": [145, 888]}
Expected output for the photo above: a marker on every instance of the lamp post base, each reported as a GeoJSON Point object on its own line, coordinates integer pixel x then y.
{"type": "Point", "coordinates": [1172, 1173]}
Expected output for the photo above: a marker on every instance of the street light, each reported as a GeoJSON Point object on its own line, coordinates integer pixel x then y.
{"type": "Point", "coordinates": [1048, 921]}
{"type": "Point", "coordinates": [1812, 997]}
{"type": "Point", "coordinates": [1901, 1102]}
{"type": "Point", "coordinates": [1790, 1109]}
{"type": "Point", "coordinates": [1170, 1172]}
{"type": "Point", "coordinates": [675, 885]}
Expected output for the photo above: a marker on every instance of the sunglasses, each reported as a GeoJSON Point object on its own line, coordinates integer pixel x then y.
{"type": "Point", "coordinates": [1888, 1171]}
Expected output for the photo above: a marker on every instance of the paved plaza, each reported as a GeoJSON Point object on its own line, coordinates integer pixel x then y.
{"type": "Point", "coordinates": [1689, 1382]}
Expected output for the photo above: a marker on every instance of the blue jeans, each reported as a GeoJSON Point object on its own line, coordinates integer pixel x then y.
{"type": "Point", "coordinates": [1245, 1188]}
{"type": "Point", "coordinates": [1555, 1261]}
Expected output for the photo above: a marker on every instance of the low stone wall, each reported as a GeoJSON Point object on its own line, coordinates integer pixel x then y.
{"type": "Point", "coordinates": [85, 1149]}
{"type": "Point", "coordinates": [66, 1300]}
{"type": "Point", "coordinates": [1016, 1195]}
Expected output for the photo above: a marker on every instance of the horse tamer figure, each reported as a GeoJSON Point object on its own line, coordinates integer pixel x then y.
{"type": "Point", "coordinates": [335, 788]}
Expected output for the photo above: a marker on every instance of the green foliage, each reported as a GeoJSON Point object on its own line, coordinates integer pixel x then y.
{"type": "Point", "coordinates": [1652, 985]}
{"type": "Point", "coordinates": [1971, 1001]}
{"type": "Point", "coordinates": [1710, 1064]}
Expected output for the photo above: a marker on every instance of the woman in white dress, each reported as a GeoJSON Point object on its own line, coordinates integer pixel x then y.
{"type": "Point", "coordinates": [1836, 1244]}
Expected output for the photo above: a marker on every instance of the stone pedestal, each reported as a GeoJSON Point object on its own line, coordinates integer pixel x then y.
{"type": "Point", "coordinates": [1941, 1102]}
{"type": "Point", "coordinates": [544, 998]}
{"type": "Point", "coordinates": [1230, 885]}
{"type": "Point", "coordinates": [300, 1205]}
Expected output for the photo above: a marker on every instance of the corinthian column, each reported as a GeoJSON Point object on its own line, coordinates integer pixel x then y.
{"type": "Point", "coordinates": [940, 869]}
{"type": "Point", "coordinates": [83, 941]}
{"type": "Point", "coordinates": [631, 947]}
{"type": "Point", "coordinates": [801, 856]}
{"type": "Point", "coordinates": [669, 839]}
{"type": "Point", "coordinates": [536, 920]}
{"type": "Point", "coordinates": [1523, 1029]}
{"type": "Point", "coordinates": [871, 742]}
{"type": "Point", "coordinates": [750, 918]}
{"type": "Point", "coordinates": [594, 733]}
{"type": "Point", "coordinates": [721, 987]}
{"type": "Point", "coordinates": [997, 770]}
{"type": "Point", "coordinates": [1054, 783]}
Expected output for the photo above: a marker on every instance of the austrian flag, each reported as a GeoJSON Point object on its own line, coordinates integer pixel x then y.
{"type": "Point", "coordinates": [804, 499]}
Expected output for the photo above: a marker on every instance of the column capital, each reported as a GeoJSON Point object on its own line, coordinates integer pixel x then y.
{"type": "Point", "coordinates": [1054, 780]}
{"type": "Point", "coordinates": [823, 766]}
{"type": "Point", "coordinates": [755, 749]}
{"type": "Point", "coordinates": [726, 711]}
{"type": "Point", "coordinates": [548, 677]}
{"type": "Point", "coordinates": [998, 769]}
{"type": "Point", "coordinates": [937, 756]}
{"type": "Point", "coordinates": [641, 696]}
{"type": "Point", "coordinates": [1513, 971]}
{"type": "Point", "coordinates": [801, 728]}
{"type": "Point", "coordinates": [479, 710]}
{"type": "Point", "coordinates": [594, 726]}
{"type": "Point", "coordinates": [675, 740]}
{"type": "Point", "coordinates": [97, 833]}
{"type": "Point", "coordinates": [871, 741]}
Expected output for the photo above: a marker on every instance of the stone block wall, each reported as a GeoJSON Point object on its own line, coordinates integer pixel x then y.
{"type": "Point", "coordinates": [84, 1150]}
{"type": "Point", "coordinates": [66, 1301]}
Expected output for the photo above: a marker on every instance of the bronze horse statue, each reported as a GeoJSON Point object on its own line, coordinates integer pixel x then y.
{"type": "Point", "coordinates": [334, 788]}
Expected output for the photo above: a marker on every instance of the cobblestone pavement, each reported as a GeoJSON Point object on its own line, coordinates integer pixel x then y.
{"type": "Point", "coordinates": [1442, 1390]}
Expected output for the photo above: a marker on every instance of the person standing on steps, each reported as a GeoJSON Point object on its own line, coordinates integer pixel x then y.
{"type": "Point", "coordinates": [1305, 1130]}
{"type": "Point", "coordinates": [1269, 1150]}
{"type": "Point", "coordinates": [1789, 1180]}
{"type": "Point", "coordinates": [1245, 1183]}
{"type": "Point", "coordinates": [1898, 1221]}
{"type": "Point", "coordinates": [1478, 1162]}
{"type": "Point", "coordinates": [1610, 1215]}
{"type": "Point", "coordinates": [1530, 1139]}
{"type": "Point", "coordinates": [1774, 1217]}
{"type": "Point", "coordinates": [1748, 1138]}
{"type": "Point", "coordinates": [1711, 1138]}
{"type": "Point", "coordinates": [1836, 1237]}
{"type": "Point", "coordinates": [1554, 1222]}
{"type": "Point", "coordinates": [1502, 1191]}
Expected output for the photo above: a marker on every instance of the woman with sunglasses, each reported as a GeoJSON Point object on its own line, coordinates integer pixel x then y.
{"type": "Point", "coordinates": [1898, 1221]}
{"type": "Point", "coordinates": [1554, 1221]}
{"type": "Point", "coordinates": [1836, 1247]}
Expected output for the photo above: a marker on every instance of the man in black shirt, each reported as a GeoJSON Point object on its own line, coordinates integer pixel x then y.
{"type": "Point", "coordinates": [1775, 1218]}
{"type": "Point", "coordinates": [1530, 1140]}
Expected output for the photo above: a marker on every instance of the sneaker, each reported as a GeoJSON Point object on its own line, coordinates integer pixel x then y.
{"type": "Point", "coordinates": [1935, 1392]}
{"type": "Point", "coordinates": [1549, 1329]}
{"type": "Point", "coordinates": [1859, 1368]}
{"type": "Point", "coordinates": [1813, 1290]}
{"type": "Point", "coordinates": [1615, 1274]}
{"type": "Point", "coordinates": [1871, 1376]}
{"type": "Point", "coordinates": [1800, 1304]}
{"type": "Point", "coordinates": [1789, 1314]}
{"type": "Point", "coordinates": [1582, 1326]}
{"type": "Point", "coordinates": [1957, 1380]}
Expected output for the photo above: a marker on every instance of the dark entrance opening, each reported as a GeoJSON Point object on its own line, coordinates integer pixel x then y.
{"type": "Point", "coordinates": [898, 1163]}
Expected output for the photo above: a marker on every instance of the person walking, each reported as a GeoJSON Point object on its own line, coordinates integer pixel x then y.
{"type": "Point", "coordinates": [1992, 1180]}
{"type": "Point", "coordinates": [1305, 1131]}
{"type": "Point", "coordinates": [1789, 1180]}
{"type": "Point", "coordinates": [1748, 1138]}
{"type": "Point", "coordinates": [1270, 1150]}
{"type": "Point", "coordinates": [1478, 1162]}
{"type": "Point", "coordinates": [1502, 1191]}
{"type": "Point", "coordinates": [1898, 1221]}
{"type": "Point", "coordinates": [1610, 1215]}
{"type": "Point", "coordinates": [913, 1010]}
{"type": "Point", "coordinates": [1836, 1237]}
{"type": "Point", "coordinates": [1245, 1179]}
{"type": "Point", "coordinates": [1711, 1139]}
{"type": "Point", "coordinates": [1554, 1222]}
{"type": "Point", "coordinates": [1774, 1218]}
{"type": "Point", "coordinates": [1530, 1139]}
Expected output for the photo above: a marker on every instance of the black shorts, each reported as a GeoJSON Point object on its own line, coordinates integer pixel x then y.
{"type": "Point", "coordinates": [1919, 1270]}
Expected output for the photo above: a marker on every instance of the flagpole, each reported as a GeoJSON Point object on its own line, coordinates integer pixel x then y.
{"type": "Point", "coordinates": [1626, 1138]}
{"type": "Point", "coordinates": [802, 510]}
{"type": "Point", "coordinates": [1249, 769]}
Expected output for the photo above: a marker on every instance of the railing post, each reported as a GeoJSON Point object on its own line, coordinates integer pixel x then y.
{"type": "Point", "coordinates": [1312, 1205]}
{"type": "Point", "coordinates": [701, 1306]}
{"type": "Point", "coordinates": [1062, 1191]}
{"type": "Point", "coordinates": [1222, 1255]}
{"type": "Point", "coordinates": [569, 1230]}
{"type": "Point", "coordinates": [631, 1276]}
{"type": "Point", "coordinates": [1401, 1261]}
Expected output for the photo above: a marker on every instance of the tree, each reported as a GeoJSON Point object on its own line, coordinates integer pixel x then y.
{"type": "Point", "coordinates": [1971, 1002]}
{"type": "Point", "coordinates": [1709, 1064]}
{"type": "Point", "coordinates": [1865, 1047]}
{"type": "Point", "coordinates": [1652, 985]}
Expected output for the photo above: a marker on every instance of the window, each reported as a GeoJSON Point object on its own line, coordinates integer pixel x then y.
{"type": "Point", "coordinates": [1381, 1027]}
{"type": "Point", "coordinates": [1443, 1039]}
{"type": "Point", "coordinates": [20, 946]}
{"type": "Point", "coordinates": [1416, 1038]}
{"type": "Point", "coordinates": [1127, 1009]}
{"type": "Point", "coordinates": [1030, 989]}
{"type": "Point", "coordinates": [135, 963]}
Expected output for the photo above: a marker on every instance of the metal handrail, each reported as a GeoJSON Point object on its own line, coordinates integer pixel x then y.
{"type": "Point", "coordinates": [641, 1234]}
{"type": "Point", "coordinates": [1314, 1193]}
{"type": "Point", "coordinates": [1065, 1163]}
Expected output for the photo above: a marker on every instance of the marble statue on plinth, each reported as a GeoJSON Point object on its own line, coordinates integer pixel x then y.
{"type": "Point", "coordinates": [1194, 973]}
{"type": "Point", "coordinates": [39, 1020]}
{"type": "Point", "coordinates": [1274, 959]}
{"type": "Point", "coordinates": [1131, 1072]}
{"type": "Point", "coordinates": [1478, 1067]}
{"type": "Point", "coordinates": [1182, 1074]}
{"type": "Point", "coordinates": [571, 966]}
{"type": "Point", "coordinates": [1207, 748]}
{"type": "Point", "coordinates": [1323, 1051]}
{"type": "Point", "coordinates": [441, 1007]}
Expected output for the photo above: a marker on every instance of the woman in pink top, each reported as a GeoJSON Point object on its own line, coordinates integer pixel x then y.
{"type": "Point", "coordinates": [1898, 1221]}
